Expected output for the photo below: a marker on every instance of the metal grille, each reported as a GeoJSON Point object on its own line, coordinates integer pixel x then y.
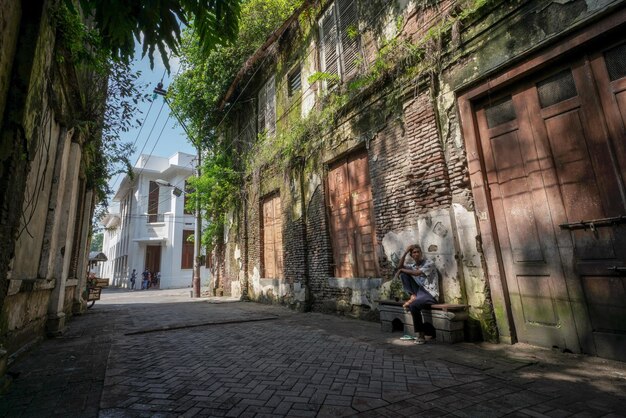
{"type": "Point", "coordinates": [294, 82]}
{"type": "Point", "coordinates": [556, 88]}
{"type": "Point", "coordinates": [500, 112]}
{"type": "Point", "coordinates": [616, 62]}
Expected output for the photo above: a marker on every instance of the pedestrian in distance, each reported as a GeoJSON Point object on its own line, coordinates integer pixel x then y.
{"type": "Point", "coordinates": [145, 277]}
{"type": "Point", "coordinates": [420, 281]}
{"type": "Point", "coordinates": [133, 278]}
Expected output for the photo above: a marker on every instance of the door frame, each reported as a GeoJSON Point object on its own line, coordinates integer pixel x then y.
{"type": "Point", "coordinates": [466, 101]}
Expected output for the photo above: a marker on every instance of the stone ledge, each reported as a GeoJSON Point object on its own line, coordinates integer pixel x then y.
{"type": "Point", "coordinates": [447, 319]}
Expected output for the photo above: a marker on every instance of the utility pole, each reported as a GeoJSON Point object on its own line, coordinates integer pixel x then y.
{"type": "Point", "coordinates": [197, 258]}
{"type": "Point", "coordinates": [197, 234]}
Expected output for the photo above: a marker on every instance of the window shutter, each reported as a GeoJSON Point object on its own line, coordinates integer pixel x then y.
{"type": "Point", "coordinates": [261, 110]}
{"type": "Point", "coordinates": [294, 82]}
{"type": "Point", "coordinates": [267, 107]}
{"type": "Point", "coordinates": [348, 24]}
{"type": "Point", "coordinates": [328, 36]}
{"type": "Point", "coordinates": [270, 115]}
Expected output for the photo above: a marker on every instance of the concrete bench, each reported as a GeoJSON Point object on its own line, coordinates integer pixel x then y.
{"type": "Point", "coordinates": [448, 319]}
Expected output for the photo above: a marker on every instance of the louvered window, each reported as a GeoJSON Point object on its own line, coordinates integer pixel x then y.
{"type": "Point", "coordinates": [295, 82]}
{"type": "Point", "coordinates": [339, 39]}
{"type": "Point", "coordinates": [267, 108]}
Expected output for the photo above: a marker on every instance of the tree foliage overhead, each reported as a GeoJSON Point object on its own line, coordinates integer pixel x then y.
{"type": "Point", "coordinates": [156, 24]}
{"type": "Point", "coordinates": [195, 95]}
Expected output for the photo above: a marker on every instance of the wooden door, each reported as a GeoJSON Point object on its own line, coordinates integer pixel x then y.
{"type": "Point", "coordinates": [555, 172]}
{"type": "Point", "coordinates": [605, 285]}
{"type": "Point", "coordinates": [153, 258]}
{"type": "Point", "coordinates": [351, 218]}
{"type": "Point", "coordinates": [272, 238]}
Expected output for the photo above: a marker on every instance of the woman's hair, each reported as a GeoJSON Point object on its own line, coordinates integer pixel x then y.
{"type": "Point", "coordinates": [415, 246]}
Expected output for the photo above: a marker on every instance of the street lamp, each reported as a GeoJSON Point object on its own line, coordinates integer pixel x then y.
{"type": "Point", "coordinates": [176, 192]}
{"type": "Point", "coordinates": [159, 90]}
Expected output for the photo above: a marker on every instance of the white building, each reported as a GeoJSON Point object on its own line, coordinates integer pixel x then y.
{"type": "Point", "coordinates": [151, 229]}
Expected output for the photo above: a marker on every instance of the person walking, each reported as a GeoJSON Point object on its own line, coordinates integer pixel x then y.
{"type": "Point", "coordinates": [133, 278]}
{"type": "Point", "coordinates": [145, 277]}
{"type": "Point", "coordinates": [420, 281]}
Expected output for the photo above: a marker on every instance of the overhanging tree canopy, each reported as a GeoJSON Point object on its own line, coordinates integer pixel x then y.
{"type": "Point", "coordinates": [156, 24]}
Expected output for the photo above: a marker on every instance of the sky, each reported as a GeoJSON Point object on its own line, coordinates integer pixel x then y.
{"type": "Point", "coordinates": [158, 135]}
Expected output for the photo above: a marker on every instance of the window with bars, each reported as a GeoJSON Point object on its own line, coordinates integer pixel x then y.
{"type": "Point", "coordinates": [339, 39]}
{"type": "Point", "coordinates": [502, 111]}
{"type": "Point", "coordinates": [186, 260]}
{"type": "Point", "coordinates": [556, 88]}
{"type": "Point", "coordinates": [267, 107]}
{"type": "Point", "coordinates": [616, 62]}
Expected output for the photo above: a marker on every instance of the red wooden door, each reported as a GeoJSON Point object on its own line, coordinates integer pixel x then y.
{"type": "Point", "coordinates": [351, 218]}
{"type": "Point", "coordinates": [554, 156]}
{"type": "Point", "coordinates": [272, 238]}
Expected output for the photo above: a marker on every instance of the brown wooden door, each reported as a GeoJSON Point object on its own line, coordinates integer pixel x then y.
{"type": "Point", "coordinates": [272, 238]}
{"type": "Point", "coordinates": [351, 218]}
{"type": "Point", "coordinates": [153, 258]}
{"type": "Point", "coordinates": [552, 162]}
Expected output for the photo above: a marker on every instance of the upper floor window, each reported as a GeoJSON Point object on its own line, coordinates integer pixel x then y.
{"type": "Point", "coordinates": [294, 82]}
{"type": "Point", "coordinates": [267, 107]}
{"type": "Point", "coordinates": [339, 39]}
{"type": "Point", "coordinates": [153, 202]}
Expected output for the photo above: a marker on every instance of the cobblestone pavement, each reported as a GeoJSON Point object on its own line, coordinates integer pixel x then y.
{"type": "Point", "coordinates": [162, 354]}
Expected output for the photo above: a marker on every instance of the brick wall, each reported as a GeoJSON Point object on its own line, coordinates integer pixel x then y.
{"type": "Point", "coordinates": [408, 171]}
{"type": "Point", "coordinates": [319, 250]}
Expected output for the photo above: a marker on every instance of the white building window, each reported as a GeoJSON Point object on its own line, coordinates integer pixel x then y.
{"type": "Point", "coordinates": [339, 39]}
{"type": "Point", "coordinates": [267, 107]}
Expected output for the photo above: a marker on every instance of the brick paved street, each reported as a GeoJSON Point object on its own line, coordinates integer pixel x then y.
{"type": "Point", "coordinates": [161, 354]}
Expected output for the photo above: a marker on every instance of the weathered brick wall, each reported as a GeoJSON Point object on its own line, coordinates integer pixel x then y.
{"type": "Point", "coordinates": [294, 239]}
{"type": "Point", "coordinates": [253, 219]}
{"type": "Point", "coordinates": [429, 180]}
{"type": "Point", "coordinates": [408, 171]}
{"type": "Point", "coordinates": [232, 265]}
{"type": "Point", "coordinates": [320, 253]}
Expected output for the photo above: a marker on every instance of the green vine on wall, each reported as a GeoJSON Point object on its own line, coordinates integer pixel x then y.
{"type": "Point", "coordinates": [397, 63]}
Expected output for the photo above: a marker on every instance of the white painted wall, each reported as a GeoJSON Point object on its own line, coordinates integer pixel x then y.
{"type": "Point", "coordinates": [168, 233]}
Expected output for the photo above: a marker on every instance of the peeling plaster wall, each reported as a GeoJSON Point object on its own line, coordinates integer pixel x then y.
{"type": "Point", "coordinates": [10, 17]}
{"type": "Point", "coordinates": [39, 90]}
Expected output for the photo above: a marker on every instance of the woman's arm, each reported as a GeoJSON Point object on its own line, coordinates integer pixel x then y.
{"type": "Point", "coordinates": [401, 263]}
{"type": "Point", "coordinates": [416, 272]}
{"type": "Point", "coordinates": [402, 269]}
